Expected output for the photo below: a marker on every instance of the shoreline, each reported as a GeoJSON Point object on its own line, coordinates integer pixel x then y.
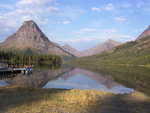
{"type": "Point", "coordinates": [23, 100]}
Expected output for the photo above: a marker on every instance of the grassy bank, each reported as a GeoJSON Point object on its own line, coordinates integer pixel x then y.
{"type": "Point", "coordinates": [21, 100]}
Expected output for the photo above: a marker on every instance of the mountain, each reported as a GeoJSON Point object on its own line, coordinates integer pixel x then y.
{"type": "Point", "coordinates": [106, 46]}
{"type": "Point", "coordinates": [29, 36]}
{"type": "Point", "coordinates": [131, 53]}
{"type": "Point", "coordinates": [71, 50]}
{"type": "Point", "coordinates": [145, 33]}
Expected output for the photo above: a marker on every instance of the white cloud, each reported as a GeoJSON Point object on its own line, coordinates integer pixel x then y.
{"type": "Point", "coordinates": [120, 19]}
{"type": "Point", "coordinates": [77, 40]}
{"type": "Point", "coordinates": [94, 30]}
{"type": "Point", "coordinates": [22, 2]}
{"type": "Point", "coordinates": [34, 2]}
{"type": "Point", "coordinates": [86, 30]}
{"type": "Point", "coordinates": [51, 9]}
{"type": "Point", "coordinates": [95, 9]}
{"type": "Point", "coordinates": [119, 36]}
{"type": "Point", "coordinates": [66, 22]}
{"type": "Point", "coordinates": [6, 6]}
{"type": "Point", "coordinates": [100, 38]}
{"type": "Point", "coordinates": [38, 10]}
{"type": "Point", "coordinates": [109, 7]}
{"type": "Point", "coordinates": [112, 30]}
{"type": "Point", "coordinates": [22, 10]}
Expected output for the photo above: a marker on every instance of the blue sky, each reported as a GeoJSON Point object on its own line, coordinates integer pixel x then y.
{"type": "Point", "coordinates": [80, 23]}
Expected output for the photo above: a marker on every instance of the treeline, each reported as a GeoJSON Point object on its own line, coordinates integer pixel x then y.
{"type": "Point", "coordinates": [28, 57]}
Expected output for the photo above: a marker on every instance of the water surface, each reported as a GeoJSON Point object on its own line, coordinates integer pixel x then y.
{"type": "Point", "coordinates": [66, 78]}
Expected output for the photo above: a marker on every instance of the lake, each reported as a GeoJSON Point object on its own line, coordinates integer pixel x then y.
{"type": "Point", "coordinates": [65, 78]}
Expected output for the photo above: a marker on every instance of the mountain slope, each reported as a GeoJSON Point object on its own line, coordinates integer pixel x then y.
{"type": "Point", "coordinates": [71, 50]}
{"type": "Point", "coordinates": [30, 36]}
{"type": "Point", "coordinates": [145, 33]}
{"type": "Point", "coordinates": [106, 46]}
{"type": "Point", "coordinates": [135, 53]}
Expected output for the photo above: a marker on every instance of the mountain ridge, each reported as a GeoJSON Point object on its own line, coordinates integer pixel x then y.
{"type": "Point", "coordinates": [145, 33]}
{"type": "Point", "coordinates": [72, 50]}
{"type": "Point", "coordinates": [99, 48]}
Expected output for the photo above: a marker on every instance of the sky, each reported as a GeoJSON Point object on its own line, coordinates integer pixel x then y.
{"type": "Point", "coordinates": [80, 23]}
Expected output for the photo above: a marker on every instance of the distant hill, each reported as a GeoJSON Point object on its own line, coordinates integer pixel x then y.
{"type": "Point", "coordinates": [134, 52]}
{"type": "Point", "coordinates": [29, 36]}
{"type": "Point", "coordinates": [106, 46]}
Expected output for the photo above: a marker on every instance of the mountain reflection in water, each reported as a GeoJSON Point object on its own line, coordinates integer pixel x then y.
{"type": "Point", "coordinates": [66, 78]}
{"type": "Point", "coordinates": [84, 79]}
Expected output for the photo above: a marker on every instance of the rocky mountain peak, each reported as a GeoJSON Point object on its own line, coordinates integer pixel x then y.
{"type": "Point", "coordinates": [30, 25]}
{"type": "Point", "coordinates": [30, 22]}
{"type": "Point", "coordinates": [30, 36]}
{"type": "Point", "coordinates": [30, 30]}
